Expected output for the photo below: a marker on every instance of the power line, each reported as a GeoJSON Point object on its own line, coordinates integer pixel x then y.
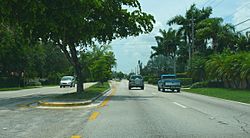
{"type": "Point", "coordinates": [219, 3]}
{"type": "Point", "coordinates": [244, 29]}
{"type": "Point", "coordinates": [242, 22]}
{"type": "Point", "coordinates": [211, 2]}
{"type": "Point", "coordinates": [206, 3]}
{"type": "Point", "coordinates": [236, 11]}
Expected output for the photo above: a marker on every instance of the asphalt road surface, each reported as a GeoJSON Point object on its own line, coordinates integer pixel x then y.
{"type": "Point", "coordinates": [131, 113]}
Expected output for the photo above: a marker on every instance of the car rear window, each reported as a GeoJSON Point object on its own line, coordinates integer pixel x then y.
{"type": "Point", "coordinates": [136, 77]}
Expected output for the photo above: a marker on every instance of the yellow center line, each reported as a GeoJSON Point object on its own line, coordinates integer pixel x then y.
{"type": "Point", "coordinates": [105, 102]}
{"type": "Point", "coordinates": [94, 116]}
{"type": "Point", "coordinates": [75, 136]}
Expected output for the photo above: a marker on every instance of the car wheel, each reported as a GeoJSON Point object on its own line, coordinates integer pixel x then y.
{"type": "Point", "coordinates": [159, 88]}
{"type": "Point", "coordinates": [178, 90]}
{"type": "Point", "coordinates": [60, 86]}
{"type": "Point", "coordinates": [129, 88]}
{"type": "Point", "coordinates": [142, 88]}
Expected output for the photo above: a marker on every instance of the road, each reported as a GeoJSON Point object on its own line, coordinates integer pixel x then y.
{"type": "Point", "coordinates": [134, 113]}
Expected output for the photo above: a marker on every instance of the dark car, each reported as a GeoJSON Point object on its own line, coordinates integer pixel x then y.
{"type": "Point", "coordinates": [136, 81]}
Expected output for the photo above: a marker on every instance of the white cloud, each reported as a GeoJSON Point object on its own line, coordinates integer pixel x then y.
{"type": "Point", "coordinates": [129, 51]}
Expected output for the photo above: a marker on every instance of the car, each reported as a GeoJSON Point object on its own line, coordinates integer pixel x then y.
{"type": "Point", "coordinates": [136, 81]}
{"type": "Point", "coordinates": [67, 81]}
{"type": "Point", "coordinates": [169, 81]}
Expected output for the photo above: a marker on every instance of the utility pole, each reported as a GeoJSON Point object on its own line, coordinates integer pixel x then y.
{"type": "Point", "coordinates": [192, 45]}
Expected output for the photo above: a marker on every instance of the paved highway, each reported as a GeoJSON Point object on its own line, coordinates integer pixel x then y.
{"type": "Point", "coordinates": [133, 113]}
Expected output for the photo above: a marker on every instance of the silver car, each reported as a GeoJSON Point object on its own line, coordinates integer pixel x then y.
{"type": "Point", "coordinates": [136, 81]}
{"type": "Point", "coordinates": [67, 81]}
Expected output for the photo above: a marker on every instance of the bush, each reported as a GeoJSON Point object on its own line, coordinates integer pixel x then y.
{"type": "Point", "coordinates": [34, 83]}
{"type": "Point", "coordinates": [182, 75]}
{"type": "Point", "coordinates": [208, 84]}
{"type": "Point", "coordinates": [186, 81]}
{"type": "Point", "coordinates": [6, 82]}
{"type": "Point", "coordinates": [203, 84]}
{"type": "Point", "coordinates": [152, 80]}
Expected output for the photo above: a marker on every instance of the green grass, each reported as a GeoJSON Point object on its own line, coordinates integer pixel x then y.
{"type": "Point", "coordinates": [88, 94]}
{"type": "Point", "coordinates": [229, 94]}
{"type": "Point", "coordinates": [18, 88]}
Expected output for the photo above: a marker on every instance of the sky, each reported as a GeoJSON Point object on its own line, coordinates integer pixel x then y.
{"type": "Point", "coordinates": [129, 51]}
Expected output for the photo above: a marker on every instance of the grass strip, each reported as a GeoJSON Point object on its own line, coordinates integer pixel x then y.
{"type": "Point", "coordinates": [229, 94]}
{"type": "Point", "coordinates": [88, 94]}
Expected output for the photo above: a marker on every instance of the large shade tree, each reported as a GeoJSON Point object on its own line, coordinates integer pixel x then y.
{"type": "Point", "coordinates": [75, 24]}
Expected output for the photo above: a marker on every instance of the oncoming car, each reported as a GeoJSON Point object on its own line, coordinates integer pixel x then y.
{"type": "Point", "coordinates": [67, 81]}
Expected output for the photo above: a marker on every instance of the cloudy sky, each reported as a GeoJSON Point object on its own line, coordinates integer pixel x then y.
{"type": "Point", "coordinates": [129, 51]}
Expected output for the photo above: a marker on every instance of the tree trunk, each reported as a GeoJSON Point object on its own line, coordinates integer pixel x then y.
{"type": "Point", "coordinates": [79, 79]}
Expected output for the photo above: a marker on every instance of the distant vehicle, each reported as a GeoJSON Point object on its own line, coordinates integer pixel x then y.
{"type": "Point", "coordinates": [169, 81]}
{"type": "Point", "coordinates": [136, 81]}
{"type": "Point", "coordinates": [67, 81]}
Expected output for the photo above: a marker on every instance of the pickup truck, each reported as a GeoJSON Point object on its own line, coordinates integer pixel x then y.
{"type": "Point", "coordinates": [169, 81]}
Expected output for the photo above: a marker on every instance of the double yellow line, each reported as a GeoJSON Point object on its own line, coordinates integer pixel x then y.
{"type": "Point", "coordinates": [94, 115]}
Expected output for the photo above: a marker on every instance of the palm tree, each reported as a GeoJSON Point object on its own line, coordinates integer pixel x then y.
{"type": "Point", "coordinates": [167, 44]}
{"type": "Point", "coordinates": [185, 22]}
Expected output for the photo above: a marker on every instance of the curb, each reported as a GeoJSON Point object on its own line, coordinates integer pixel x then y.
{"type": "Point", "coordinates": [72, 104]}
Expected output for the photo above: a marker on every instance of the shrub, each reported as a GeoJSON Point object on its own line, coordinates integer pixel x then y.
{"type": "Point", "coordinates": [152, 80]}
{"type": "Point", "coordinates": [182, 75]}
{"type": "Point", "coordinates": [186, 81]}
{"type": "Point", "coordinates": [202, 84]}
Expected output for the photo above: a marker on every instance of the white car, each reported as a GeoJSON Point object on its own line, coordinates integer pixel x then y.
{"type": "Point", "coordinates": [67, 81]}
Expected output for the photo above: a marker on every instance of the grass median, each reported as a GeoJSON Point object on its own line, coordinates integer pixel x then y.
{"type": "Point", "coordinates": [88, 94]}
{"type": "Point", "coordinates": [229, 94]}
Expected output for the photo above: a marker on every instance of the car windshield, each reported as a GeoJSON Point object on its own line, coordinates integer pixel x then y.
{"type": "Point", "coordinates": [67, 78]}
{"type": "Point", "coordinates": [136, 77]}
{"type": "Point", "coordinates": [168, 77]}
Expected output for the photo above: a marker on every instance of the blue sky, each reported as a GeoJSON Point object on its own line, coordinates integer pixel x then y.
{"type": "Point", "coordinates": [129, 51]}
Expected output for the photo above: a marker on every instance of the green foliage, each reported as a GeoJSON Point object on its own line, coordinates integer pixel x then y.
{"type": "Point", "coordinates": [153, 80]}
{"type": "Point", "coordinates": [98, 63]}
{"type": "Point", "coordinates": [231, 68]}
{"type": "Point", "coordinates": [230, 94]}
{"type": "Point", "coordinates": [197, 72]}
{"type": "Point", "coordinates": [203, 84]}
{"type": "Point", "coordinates": [186, 81]}
{"type": "Point", "coordinates": [76, 23]}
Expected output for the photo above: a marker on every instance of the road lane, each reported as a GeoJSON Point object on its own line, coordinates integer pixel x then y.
{"type": "Point", "coordinates": [149, 113]}
{"type": "Point", "coordinates": [133, 113]}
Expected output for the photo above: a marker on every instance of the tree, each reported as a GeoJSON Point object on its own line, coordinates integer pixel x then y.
{"type": "Point", "coordinates": [77, 23]}
{"type": "Point", "coordinates": [99, 62]}
{"type": "Point", "coordinates": [167, 45]}
{"type": "Point", "coordinates": [222, 35]}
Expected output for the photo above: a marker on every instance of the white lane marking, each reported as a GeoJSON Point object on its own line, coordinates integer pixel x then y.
{"type": "Point", "coordinates": [180, 105]}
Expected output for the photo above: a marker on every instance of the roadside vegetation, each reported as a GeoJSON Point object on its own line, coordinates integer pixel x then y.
{"type": "Point", "coordinates": [224, 93]}
{"type": "Point", "coordinates": [204, 52]}
{"type": "Point", "coordinates": [90, 93]}
{"type": "Point", "coordinates": [72, 27]}
{"type": "Point", "coordinates": [41, 41]}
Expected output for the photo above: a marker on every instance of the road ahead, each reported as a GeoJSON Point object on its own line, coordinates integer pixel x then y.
{"type": "Point", "coordinates": [134, 113]}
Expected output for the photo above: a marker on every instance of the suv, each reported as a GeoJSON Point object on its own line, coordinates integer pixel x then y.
{"type": "Point", "coordinates": [67, 81]}
{"type": "Point", "coordinates": [136, 81]}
